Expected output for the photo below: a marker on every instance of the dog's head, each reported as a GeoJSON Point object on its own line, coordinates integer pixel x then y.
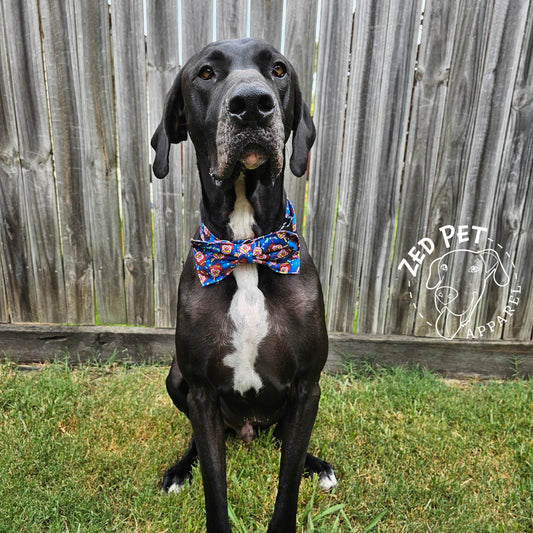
{"type": "Point", "coordinates": [239, 101]}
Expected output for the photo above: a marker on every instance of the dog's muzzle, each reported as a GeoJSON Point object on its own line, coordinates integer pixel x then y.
{"type": "Point", "coordinates": [250, 133]}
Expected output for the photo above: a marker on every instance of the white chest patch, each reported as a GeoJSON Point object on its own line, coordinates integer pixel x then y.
{"type": "Point", "coordinates": [247, 309]}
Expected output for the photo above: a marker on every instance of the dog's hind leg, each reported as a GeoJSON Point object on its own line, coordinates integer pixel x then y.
{"type": "Point", "coordinates": [177, 388]}
{"type": "Point", "coordinates": [177, 476]}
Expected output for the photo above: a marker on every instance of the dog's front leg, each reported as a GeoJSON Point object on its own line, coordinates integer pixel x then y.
{"type": "Point", "coordinates": [297, 425]}
{"type": "Point", "coordinates": [208, 430]}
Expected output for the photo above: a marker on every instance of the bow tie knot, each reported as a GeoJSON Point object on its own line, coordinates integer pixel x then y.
{"type": "Point", "coordinates": [280, 251]}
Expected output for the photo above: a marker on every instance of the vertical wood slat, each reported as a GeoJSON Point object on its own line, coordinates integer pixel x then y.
{"type": "Point", "coordinates": [266, 20]}
{"type": "Point", "coordinates": [132, 132]}
{"type": "Point", "coordinates": [512, 221]}
{"type": "Point", "coordinates": [332, 71]}
{"type": "Point", "coordinates": [300, 47]}
{"type": "Point", "coordinates": [194, 37]}
{"type": "Point", "coordinates": [456, 138]}
{"type": "Point", "coordinates": [367, 48]}
{"type": "Point", "coordinates": [520, 323]}
{"type": "Point", "coordinates": [4, 309]}
{"type": "Point", "coordinates": [7, 178]}
{"type": "Point", "coordinates": [37, 200]}
{"type": "Point", "coordinates": [388, 155]}
{"type": "Point", "coordinates": [503, 55]}
{"type": "Point", "coordinates": [67, 128]}
{"type": "Point", "coordinates": [361, 235]}
{"type": "Point", "coordinates": [15, 253]}
{"type": "Point", "coordinates": [481, 185]}
{"type": "Point", "coordinates": [422, 152]}
{"type": "Point", "coordinates": [99, 160]}
{"type": "Point", "coordinates": [163, 66]}
{"type": "Point", "coordinates": [495, 96]}
{"type": "Point", "coordinates": [231, 19]}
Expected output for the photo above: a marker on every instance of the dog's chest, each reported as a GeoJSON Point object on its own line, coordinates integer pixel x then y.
{"type": "Point", "coordinates": [247, 311]}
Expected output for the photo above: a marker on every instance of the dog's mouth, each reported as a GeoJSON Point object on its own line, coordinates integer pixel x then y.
{"type": "Point", "coordinates": [253, 157]}
{"type": "Point", "coordinates": [255, 150]}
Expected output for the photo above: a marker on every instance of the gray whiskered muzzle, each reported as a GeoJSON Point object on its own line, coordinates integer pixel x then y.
{"type": "Point", "coordinates": [250, 132]}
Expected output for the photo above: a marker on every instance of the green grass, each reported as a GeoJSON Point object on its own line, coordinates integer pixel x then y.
{"type": "Point", "coordinates": [85, 450]}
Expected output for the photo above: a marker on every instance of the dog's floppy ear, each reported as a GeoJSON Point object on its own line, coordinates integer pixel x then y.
{"type": "Point", "coordinates": [303, 132]}
{"type": "Point", "coordinates": [171, 129]}
{"type": "Point", "coordinates": [494, 267]}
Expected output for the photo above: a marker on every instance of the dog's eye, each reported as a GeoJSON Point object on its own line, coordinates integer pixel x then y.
{"type": "Point", "coordinates": [279, 70]}
{"type": "Point", "coordinates": [206, 73]}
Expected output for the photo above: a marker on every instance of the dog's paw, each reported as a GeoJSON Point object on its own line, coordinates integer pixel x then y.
{"type": "Point", "coordinates": [175, 487]}
{"type": "Point", "coordinates": [326, 476]}
{"type": "Point", "coordinates": [327, 479]}
{"type": "Point", "coordinates": [175, 480]}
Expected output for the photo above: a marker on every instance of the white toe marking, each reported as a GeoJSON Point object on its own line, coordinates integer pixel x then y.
{"type": "Point", "coordinates": [327, 480]}
{"type": "Point", "coordinates": [176, 487]}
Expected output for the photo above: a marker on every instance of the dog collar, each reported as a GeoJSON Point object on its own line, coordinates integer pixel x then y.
{"type": "Point", "coordinates": [215, 259]}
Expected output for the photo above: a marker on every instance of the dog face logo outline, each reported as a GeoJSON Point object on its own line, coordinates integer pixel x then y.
{"type": "Point", "coordinates": [455, 308]}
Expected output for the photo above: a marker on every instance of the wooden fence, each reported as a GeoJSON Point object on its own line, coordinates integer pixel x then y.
{"type": "Point", "coordinates": [424, 112]}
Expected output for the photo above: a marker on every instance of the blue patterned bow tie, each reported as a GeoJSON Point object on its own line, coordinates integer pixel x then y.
{"type": "Point", "coordinates": [280, 251]}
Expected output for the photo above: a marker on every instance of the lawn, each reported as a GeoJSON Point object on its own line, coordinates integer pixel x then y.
{"type": "Point", "coordinates": [85, 450]}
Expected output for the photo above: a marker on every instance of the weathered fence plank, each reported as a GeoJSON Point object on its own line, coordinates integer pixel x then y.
{"type": "Point", "coordinates": [481, 183]}
{"type": "Point", "coordinates": [329, 110]}
{"type": "Point", "coordinates": [231, 19]}
{"type": "Point", "coordinates": [515, 195]}
{"type": "Point", "coordinates": [132, 133]}
{"type": "Point", "coordinates": [422, 153]}
{"type": "Point", "coordinates": [372, 170]}
{"type": "Point", "coordinates": [163, 66]}
{"type": "Point", "coordinates": [520, 323]}
{"type": "Point", "coordinates": [68, 127]}
{"type": "Point", "coordinates": [356, 176]}
{"type": "Point", "coordinates": [492, 359]}
{"type": "Point", "coordinates": [4, 311]}
{"type": "Point", "coordinates": [16, 284]}
{"type": "Point", "coordinates": [387, 154]}
{"type": "Point", "coordinates": [37, 198]}
{"type": "Point", "coordinates": [456, 136]}
{"type": "Point", "coordinates": [196, 36]}
{"type": "Point", "coordinates": [511, 203]}
{"type": "Point", "coordinates": [266, 20]}
{"type": "Point", "coordinates": [100, 163]}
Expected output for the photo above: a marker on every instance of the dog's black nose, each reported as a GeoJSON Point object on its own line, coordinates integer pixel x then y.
{"type": "Point", "coordinates": [251, 105]}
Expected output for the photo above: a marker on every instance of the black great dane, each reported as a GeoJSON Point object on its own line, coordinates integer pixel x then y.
{"type": "Point", "coordinates": [251, 339]}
